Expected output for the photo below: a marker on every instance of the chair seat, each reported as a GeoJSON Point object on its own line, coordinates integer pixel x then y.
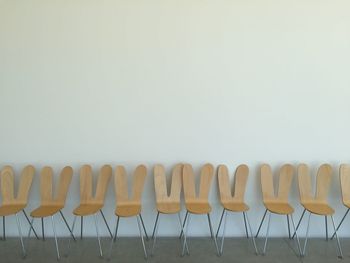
{"type": "Point", "coordinates": [319, 208]}
{"type": "Point", "coordinates": [168, 207]}
{"type": "Point", "coordinates": [11, 209]}
{"type": "Point", "coordinates": [87, 209]}
{"type": "Point", "coordinates": [235, 206]}
{"type": "Point", "coordinates": [198, 207]}
{"type": "Point", "coordinates": [46, 210]}
{"type": "Point", "coordinates": [279, 208]}
{"type": "Point", "coordinates": [127, 210]}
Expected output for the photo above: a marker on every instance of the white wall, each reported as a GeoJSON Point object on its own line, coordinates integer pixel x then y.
{"type": "Point", "coordinates": [129, 82]}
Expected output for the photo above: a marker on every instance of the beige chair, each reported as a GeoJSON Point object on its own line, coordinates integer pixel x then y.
{"type": "Point", "coordinates": [316, 204]}
{"type": "Point", "coordinates": [50, 205]}
{"type": "Point", "coordinates": [277, 204]}
{"type": "Point", "coordinates": [344, 175]}
{"type": "Point", "coordinates": [197, 204]}
{"type": "Point", "coordinates": [233, 203]}
{"type": "Point", "coordinates": [129, 206]}
{"type": "Point", "coordinates": [11, 204]}
{"type": "Point", "coordinates": [167, 204]}
{"type": "Point", "coordinates": [92, 204]}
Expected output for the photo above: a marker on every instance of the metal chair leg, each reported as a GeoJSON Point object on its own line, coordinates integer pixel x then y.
{"type": "Point", "coordinates": [212, 235]}
{"type": "Point", "coordinates": [296, 234]}
{"type": "Point", "coordinates": [114, 238]}
{"type": "Point", "coordinates": [267, 233]}
{"type": "Point", "coordinates": [98, 236]}
{"type": "Point", "coordinates": [245, 225]}
{"type": "Point", "coordinates": [104, 219]}
{"type": "Point", "coordinates": [341, 222]}
{"type": "Point", "coordinates": [251, 234]}
{"type": "Point", "coordinates": [289, 236]}
{"type": "Point", "coordinates": [3, 228]}
{"type": "Point", "coordinates": [262, 221]}
{"type": "Point", "coordinates": [307, 234]}
{"type": "Point", "coordinates": [42, 229]}
{"type": "Point", "coordinates": [54, 232]}
{"type": "Point", "coordinates": [222, 216]}
{"type": "Point", "coordinates": [155, 235]}
{"type": "Point", "coordinates": [301, 218]}
{"type": "Point", "coordinates": [81, 227]}
{"type": "Point", "coordinates": [20, 236]}
{"type": "Point", "coordinates": [143, 226]}
{"type": "Point", "coordinates": [25, 214]}
{"type": "Point", "coordinates": [325, 221]}
{"type": "Point", "coordinates": [181, 227]}
{"type": "Point", "coordinates": [336, 235]}
{"type": "Point", "coordinates": [223, 234]}
{"type": "Point", "coordinates": [155, 224]}
{"type": "Point", "coordinates": [69, 240]}
{"type": "Point", "coordinates": [138, 218]}
{"type": "Point", "coordinates": [65, 221]}
{"type": "Point", "coordinates": [186, 234]}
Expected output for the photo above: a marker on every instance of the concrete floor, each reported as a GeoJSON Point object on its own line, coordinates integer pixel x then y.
{"type": "Point", "coordinates": [168, 250]}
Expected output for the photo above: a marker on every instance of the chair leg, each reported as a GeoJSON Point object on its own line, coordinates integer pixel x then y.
{"type": "Point", "coordinates": [251, 233]}
{"type": "Point", "coordinates": [212, 235]}
{"type": "Point", "coordinates": [223, 234]}
{"type": "Point", "coordinates": [262, 221]}
{"type": "Point", "coordinates": [307, 234]}
{"type": "Point", "coordinates": [154, 235]}
{"type": "Point", "coordinates": [289, 236]}
{"type": "Point", "coordinates": [183, 225]}
{"type": "Point", "coordinates": [185, 237]}
{"type": "Point", "coordinates": [222, 216]}
{"type": "Point", "coordinates": [20, 236]}
{"type": "Point", "coordinates": [188, 216]}
{"type": "Point", "coordinates": [296, 234]}
{"type": "Point", "coordinates": [3, 228]}
{"type": "Point", "coordinates": [138, 218]}
{"type": "Point", "coordinates": [245, 225]}
{"type": "Point", "coordinates": [104, 219]}
{"type": "Point", "coordinates": [341, 222]}
{"type": "Point", "coordinates": [114, 238]}
{"type": "Point", "coordinates": [55, 235]}
{"type": "Point", "coordinates": [325, 222]}
{"type": "Point", "coordinates": [301, 218]}
{"type": "Point", "coordinates": [69, 240]}
{"type": "Point", "coordinates": [267, 233]}
{"type": "Point", "coordinates": [98, 236]}
{"type": "Point", "coordinates": [336, 235]}
{"type": "Point", "coordinates": [143, 226]}
{"type": "Point", "coordinates": [65, 221]}
{"type": "Point", "coordinates": [42, 228]}
{"type": "Point", "coordinates": [155, 224]}
{"type": "Point", "coordinates": [25, 214]}
{"type": "Point", "coordinates": [81, 227]}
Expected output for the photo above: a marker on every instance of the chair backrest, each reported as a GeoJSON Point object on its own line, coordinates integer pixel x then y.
{"type": "Point", "coordinates": [240, 182]}
{"type": "Point", "coordinates": [323, 181]}
{"type": "Point", "coordinates": [121, 184]}
{"type": "Point", "coordinates": [63, 185]}
{"type": "Point", "coordinates": [286, 173]}
{"type": "Point", "coordinates": [344, 174]}
{"type": "Point", "coordinates": [7, 185]}
{"type": "Point", "coordinates": [207, 173]}
{"type": "Point", "coordinates": [86, 182]}
{"type": "Point", "coordinates": [160, 184]}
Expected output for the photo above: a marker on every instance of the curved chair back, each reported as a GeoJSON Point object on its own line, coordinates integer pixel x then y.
{"type": "Point", "coordinates": [121, 184]}
{"type": "Point", "coordinates": [240, 182]}
{"type": "Point", "coordinates": [86, 182]}
{"type": "Point", "coordinates": [285, 180]}
{"type": "Point", "coordinates": [344, 172]}
{"type": "Point", "coordinates": [323, 182]}
{"type": "Point", "coordinates": [63, 185]}
{"type": "Point", "coordinates": [7, 185]}
{"type": "Point", "coordinates": [304, 183]}
{"type": "Point", "coordinates": [207, 173]}
{"type": "Point", "coordinates": [160, 184]}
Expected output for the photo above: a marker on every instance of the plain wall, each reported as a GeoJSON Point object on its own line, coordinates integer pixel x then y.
{"type": "Point", "coordinates": [130, 82]}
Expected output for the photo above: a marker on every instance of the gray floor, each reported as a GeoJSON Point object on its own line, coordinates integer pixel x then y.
{"type": "Point", "coordinates": [168, 250]}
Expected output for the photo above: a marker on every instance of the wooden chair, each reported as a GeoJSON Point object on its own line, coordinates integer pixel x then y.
{"type": "Point", "coordinates": [90, 205]}
{"type": "Point", "coordinates": [197, 204]}
{"type": "Point", "coordinates": [50, 205]}
{"type": "Point", "coordinates": [316, 204]}
{"type": "Point", "coordinates": [344, 175]}
{"type": "Point", "coordinates": [236, 202]}
{"type": "Point", "coordinates": [12, 205]}
{"type": "Point", "coordinates": [167, 203]}
{"type": "Point", "coordinates": [129, 206]}
{"type": "Point", "coordinates": [277, 204]}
